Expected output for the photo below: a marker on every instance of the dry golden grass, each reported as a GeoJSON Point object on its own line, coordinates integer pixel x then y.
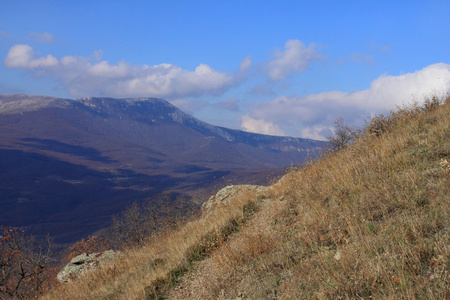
{"type": "Point", "coordinates": [370, 221]}
{"type": "Point", "coordinates": [148, 271]}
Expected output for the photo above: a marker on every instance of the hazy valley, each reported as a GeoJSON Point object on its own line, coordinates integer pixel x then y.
{"type": "Point", "coordinates": [67, 165]}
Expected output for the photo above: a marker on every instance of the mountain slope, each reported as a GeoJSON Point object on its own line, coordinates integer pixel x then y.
{"type": "Point", "coordinates": [150, 125]}
{"type": "Point", "coordinates": [68, 165]}
{"type": "Point", "coordinates": [371, 221]}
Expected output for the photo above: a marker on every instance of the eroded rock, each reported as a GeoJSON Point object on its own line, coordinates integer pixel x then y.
{"type": "Point", "coordinates": [227, 194]}
{"type": "Point", "coordinates": [84, 263]}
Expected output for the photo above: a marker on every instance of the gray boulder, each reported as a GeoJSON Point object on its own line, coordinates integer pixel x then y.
{"type": "Point", "coordinates": [84, 263]}
{"type": "Point", "coordinates": [224, 196]}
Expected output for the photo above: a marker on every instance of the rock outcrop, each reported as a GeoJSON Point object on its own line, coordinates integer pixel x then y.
{"type": "Point", "coordinates": [84, 263]}
{"type": "Point", "coordinates": [224, 196]}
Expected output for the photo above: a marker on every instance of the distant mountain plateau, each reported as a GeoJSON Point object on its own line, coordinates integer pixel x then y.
{"type": "Point", "coordinates": [67, 165]}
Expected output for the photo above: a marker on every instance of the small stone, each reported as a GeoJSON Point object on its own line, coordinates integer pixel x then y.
{"type": "Point", "coordinates": [337, 256]}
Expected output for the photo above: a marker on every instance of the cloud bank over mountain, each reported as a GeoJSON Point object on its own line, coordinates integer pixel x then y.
{"type": "Point", "coordinates": [307, 116]}
{"type": "Point", "coordinates": [92, 76]}
{"type": "Point", "coordinates": [310, 116]}
{"type": "Point", "coordinates": [82, 76]}
{"type": "Point", "coordinates": [288, 68]}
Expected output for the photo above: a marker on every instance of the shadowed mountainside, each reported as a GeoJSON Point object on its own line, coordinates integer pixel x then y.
{"type": "Point", "coordinates": [67, 165]}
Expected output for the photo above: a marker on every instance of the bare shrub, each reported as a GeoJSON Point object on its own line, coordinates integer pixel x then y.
{"type": "Point", "coordinates": [131, 227]}
{"type": "Point", "coordinates": [343, 135]}
{"type": "Point", "coordinates": [91, 245]}
{"type": "Point", "coordinates": [136, 224]}
{"type": "Point", "coordinates": [24, 264]}
{"type": "Point", "coordinates": [432, 103]}
{"type": "Point", "coordinates": [378, 125]}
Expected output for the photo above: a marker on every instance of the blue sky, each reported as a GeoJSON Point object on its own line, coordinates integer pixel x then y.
{"type": "Point", "coordinates": [274, 67]}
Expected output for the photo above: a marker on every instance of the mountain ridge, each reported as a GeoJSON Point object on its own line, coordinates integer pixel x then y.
{"type": "Point", "coordinates": [120, 150]}
{"type": "Point", "coordinates": [96, 104]}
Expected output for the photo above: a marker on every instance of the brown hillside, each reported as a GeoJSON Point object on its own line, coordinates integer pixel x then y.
{"type": "Point", "coordinates": [370, 221]}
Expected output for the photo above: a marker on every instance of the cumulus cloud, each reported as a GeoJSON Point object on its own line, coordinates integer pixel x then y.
{"type": "Point", "coordinates": [316, 132]}
{"type": "Point", "coordinates": [43, 37]}
{"type": "Point", "coordinates": [92, 76]}
{"type": "Point", "coordinates": [312, 116]}
{"type": "Point", "coordinates": [23, 56]}
{"type": "Point", "coordinates": [260, 126]}
{"type": "Point", "coordinates": [294, 59]}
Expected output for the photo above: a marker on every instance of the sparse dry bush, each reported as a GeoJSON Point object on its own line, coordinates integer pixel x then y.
{"type": "Point", "coordinates": [432, 103]}
{"type": "Point", "coordinates": [379, 124]}
{"type": "Point", "coordinates": [343, 135]}
{"type": "Point", "coordinates": [131, 227]}
{"type": "Point", "coordinates": [92, 245]}
{"type": "Point", "coordinates": [135, 226]}
{"type": "Point", "coordinates": [25, 269]}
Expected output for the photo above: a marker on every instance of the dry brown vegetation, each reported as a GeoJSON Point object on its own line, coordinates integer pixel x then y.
{"type": "Point", "coordinates": [25, 264]}
{"type": "Point", "coordinates": [368, 221]}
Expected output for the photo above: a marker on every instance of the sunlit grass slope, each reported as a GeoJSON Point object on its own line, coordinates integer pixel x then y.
{"type": "Point", "coordinates": [370, 221]}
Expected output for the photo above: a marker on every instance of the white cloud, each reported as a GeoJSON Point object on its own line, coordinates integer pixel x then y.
{"type": "Point", "coordinates": [312, 115]}
{"type": "Point", "coordinates": [316, 132]}
{"type": "Point", "coordinates": [43, 37]}
{"type": "Point", "coordinates": [260, 126]}
{"type": "Point", "coordinates": [93, 76]}
{"type": "Point", "coordinates": [294, 59]}
{"type": "Point", "coordinates": [23, 56]}
{"type": "Point", "coordinates": [84, 76]}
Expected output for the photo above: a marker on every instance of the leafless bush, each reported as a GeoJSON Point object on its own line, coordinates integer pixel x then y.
{"type": "Point", "coordinates": [24, 264]}
{"type": "Point", "coordinates": [135, 225]}
{"type": "Point", "coordinates": [343, 135]}
{"type": "Point", "coordinates": [432, 103]}
{"type": "Point", "coordinates": [131, 227]}
{"type": "Point", "coordinates": [379, 124]}
{"type": "Point", "coordinates": [447, 99]}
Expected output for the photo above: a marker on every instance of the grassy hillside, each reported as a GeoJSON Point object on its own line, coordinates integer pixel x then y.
{"type": "Point", "coordinates": [370, 221]}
